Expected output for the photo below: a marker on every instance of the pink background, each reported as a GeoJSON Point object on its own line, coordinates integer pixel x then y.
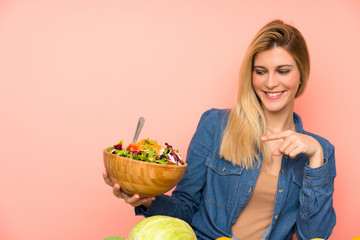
{"type": "Point", "coordinates": [76, 75]}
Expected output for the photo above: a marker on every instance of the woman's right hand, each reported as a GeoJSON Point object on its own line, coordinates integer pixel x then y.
{"type": "Point", "coordinates": [134, 200]}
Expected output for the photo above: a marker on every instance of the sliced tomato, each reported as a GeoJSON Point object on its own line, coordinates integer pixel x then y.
{"type": "Point", "coordinates": [132, 147]}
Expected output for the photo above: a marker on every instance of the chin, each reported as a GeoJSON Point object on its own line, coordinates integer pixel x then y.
{"type": "Point", "coordinates": [274, 109]}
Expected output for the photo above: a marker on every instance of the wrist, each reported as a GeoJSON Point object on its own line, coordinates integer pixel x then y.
{"type": "Point", "coordinates": [316, 160]}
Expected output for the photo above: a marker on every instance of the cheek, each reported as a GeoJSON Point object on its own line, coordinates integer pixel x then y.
{"type": "Point", "coordinates": [256, 81]}
{"type": "Point", "coordinates": [294, 81]}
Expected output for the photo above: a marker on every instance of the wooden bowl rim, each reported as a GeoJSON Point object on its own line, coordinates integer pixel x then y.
{"type": "Point", "coordinates": [150, 163]}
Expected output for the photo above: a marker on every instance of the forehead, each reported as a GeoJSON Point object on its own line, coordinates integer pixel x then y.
{"type": "Point", "coordinates": [274, 57]}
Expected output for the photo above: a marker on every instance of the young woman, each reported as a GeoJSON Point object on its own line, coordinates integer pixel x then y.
{"type": "Point", "coordinates": [253, 171]}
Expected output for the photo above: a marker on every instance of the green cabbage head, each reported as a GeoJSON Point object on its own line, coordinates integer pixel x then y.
{"type": "Point", "coordinates": [162, 228]}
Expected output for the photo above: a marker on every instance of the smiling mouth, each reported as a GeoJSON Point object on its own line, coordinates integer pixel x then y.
{"type": "Point", "coordinates": [273, 94]}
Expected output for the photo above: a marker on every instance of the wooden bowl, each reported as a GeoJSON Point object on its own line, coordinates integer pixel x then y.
{"type": "Point", "coordinates": [143, 178]}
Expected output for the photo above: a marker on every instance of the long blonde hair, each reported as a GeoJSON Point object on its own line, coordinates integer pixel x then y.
{"type": "Point", "coordinates": [241, 143]}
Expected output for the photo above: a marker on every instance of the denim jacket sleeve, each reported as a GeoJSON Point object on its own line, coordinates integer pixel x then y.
{"type": "Point", "coordinates": [317, 217]}
{"type": "Point", "coordinates": [185, 199]}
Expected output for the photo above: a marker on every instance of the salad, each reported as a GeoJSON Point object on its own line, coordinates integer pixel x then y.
{"type": "Point", "coordinates": [148, 151]}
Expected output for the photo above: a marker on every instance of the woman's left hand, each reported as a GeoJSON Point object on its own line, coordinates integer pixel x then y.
{"type": "Point", "coordinates": [295, 143]}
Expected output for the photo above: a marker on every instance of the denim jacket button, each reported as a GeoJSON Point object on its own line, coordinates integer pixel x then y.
{"type": "Point", "coordinates": [276, 216]}
{"type": "Point", "coordinates": [286, 157]}
{"type": "Point", "coordinates": [281, 191]}
{"type": "Point", "coordinates": [282, 170]}
{"type": "Point", "coordinates": [224, 168]}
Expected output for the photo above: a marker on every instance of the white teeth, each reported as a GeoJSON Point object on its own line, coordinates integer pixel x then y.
{"type": "Point", "coordinates": [273, 94]}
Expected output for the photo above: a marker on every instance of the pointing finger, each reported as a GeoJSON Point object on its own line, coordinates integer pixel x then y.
{"type": "Point", "coordinates": [276, 136]}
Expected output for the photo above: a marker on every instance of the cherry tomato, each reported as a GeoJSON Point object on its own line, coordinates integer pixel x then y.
{"type": "Point", "coordinates": [132, 147]}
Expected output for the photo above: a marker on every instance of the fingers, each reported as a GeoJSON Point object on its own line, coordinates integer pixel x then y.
{"type": "Point", "coordinates": [277, 152]}
{"type": "Point", "coordinates": [286, 146]}
{"type": "Point", "coordinates": [293, 144]}
{"type": "Point", "coordinates": [291, 148]}
{"type": "Point", "coordinates": [107, 179]}
{"type": "Point", "coordinates": [134, 200]}
{"type": "Point", "coordinates": [290, 145]}
{"type": "Point", "coordinates": [116, 191]}
{"type": "Point", "coordinates": [276, 136]}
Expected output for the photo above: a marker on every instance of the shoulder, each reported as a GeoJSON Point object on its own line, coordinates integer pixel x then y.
{"type": "Point", "coordinates": [210, 127]}
{"type": "Point", "coordinates": [214, 116]}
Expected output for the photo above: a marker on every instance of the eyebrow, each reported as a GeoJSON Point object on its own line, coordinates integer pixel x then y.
{"type": "Point", "coordinates": [280, 66]}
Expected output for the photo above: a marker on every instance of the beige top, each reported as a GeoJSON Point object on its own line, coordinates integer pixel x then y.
{"type": "Point", "coordinates": [257, 214]}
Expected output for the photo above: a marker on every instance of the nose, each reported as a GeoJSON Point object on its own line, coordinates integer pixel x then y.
{"type": "Point", "coordinates": [271, 81]}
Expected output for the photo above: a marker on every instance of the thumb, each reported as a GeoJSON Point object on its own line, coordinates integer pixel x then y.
{"type": "Point", "coordinates": [276, 152]}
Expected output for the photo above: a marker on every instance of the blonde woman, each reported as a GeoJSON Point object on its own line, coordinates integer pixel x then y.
{"type": "Point", "coordinates": [253, 171]}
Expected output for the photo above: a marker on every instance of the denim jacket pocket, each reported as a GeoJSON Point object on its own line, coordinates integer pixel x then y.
{"type": "Point", "coordinates": [291, 207]}
{"type": "Point", "coordinates": [298, 178]}
{"type": "Point", "coordinates": [222, 182]}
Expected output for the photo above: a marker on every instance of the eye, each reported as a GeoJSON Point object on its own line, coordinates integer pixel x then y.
{"type": "Point", "coordinates": [259, 72]}
{"type": "Point", "coordinates": [283, 71]}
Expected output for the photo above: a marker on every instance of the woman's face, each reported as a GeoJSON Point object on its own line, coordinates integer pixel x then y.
{"type": "Point", "coordinates": [276, 79]}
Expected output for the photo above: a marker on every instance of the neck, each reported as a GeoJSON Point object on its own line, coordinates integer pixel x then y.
{"type": "Point", "coordinates": [280, 121]}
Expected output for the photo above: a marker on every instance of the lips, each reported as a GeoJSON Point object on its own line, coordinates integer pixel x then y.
{"type": "Point", "coordinates": [274, 95]}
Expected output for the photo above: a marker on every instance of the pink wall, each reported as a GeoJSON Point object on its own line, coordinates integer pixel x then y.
{"type": "Point", "coordinates": [76, 75]}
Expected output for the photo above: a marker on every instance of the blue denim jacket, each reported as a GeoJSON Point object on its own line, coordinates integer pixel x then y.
{"type": "Point", "coordinates": [213, 192]}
